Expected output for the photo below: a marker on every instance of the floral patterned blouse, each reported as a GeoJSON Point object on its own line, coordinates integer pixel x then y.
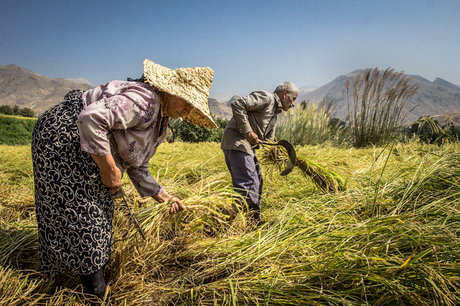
{"type": "Point", "coordinates": [124, 119]}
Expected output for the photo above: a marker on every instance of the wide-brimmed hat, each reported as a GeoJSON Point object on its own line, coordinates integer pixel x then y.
{"type": "Point", "coordinates": [190, 84]}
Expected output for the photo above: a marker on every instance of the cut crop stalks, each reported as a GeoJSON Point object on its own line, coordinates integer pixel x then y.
{"type": "Point", "coordinates": [327, 181]}
{"type": "Point", "coordinates": [315, 249]}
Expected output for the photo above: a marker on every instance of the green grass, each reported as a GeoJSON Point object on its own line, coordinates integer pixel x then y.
{"type": "Point", "coordinates": [16, 130]}
{"type": "Point", "coordinates": [390, 238]}
{"type": "Point", "coordinates": [307, 124]}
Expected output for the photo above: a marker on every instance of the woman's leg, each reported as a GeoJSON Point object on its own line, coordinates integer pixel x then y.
{"type": "Point", "coordinates": [95, 283]}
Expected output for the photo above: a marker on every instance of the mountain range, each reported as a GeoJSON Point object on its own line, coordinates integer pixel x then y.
{"type": "Point", "coordinates": [19, 86]}
{"type": "Point", "coordinates": [432, 98]}
{"type": "Point", "coordinates": [22, 87]}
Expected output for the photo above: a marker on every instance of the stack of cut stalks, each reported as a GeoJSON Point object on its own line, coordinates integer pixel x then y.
{"type": "Point", "coordinates": [327, 181]}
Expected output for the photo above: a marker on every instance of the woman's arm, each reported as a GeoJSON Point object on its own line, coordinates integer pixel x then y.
{"type": "Point", "coordinates": [110, 174]}
{"type": "Point", "coordinates": [176, 203]}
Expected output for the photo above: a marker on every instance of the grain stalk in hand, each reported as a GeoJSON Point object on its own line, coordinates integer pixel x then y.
{"type": "Point", "coordinates": [327, 181]}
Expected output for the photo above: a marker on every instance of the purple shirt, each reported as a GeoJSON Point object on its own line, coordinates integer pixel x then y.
{"type": "Point", "coordinates": [124, 119]}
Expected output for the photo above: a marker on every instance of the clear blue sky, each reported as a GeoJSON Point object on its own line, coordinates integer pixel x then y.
{"type": "Point", "coordinates": [250, 44]}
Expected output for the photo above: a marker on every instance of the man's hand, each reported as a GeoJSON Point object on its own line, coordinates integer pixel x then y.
{"type": "Point", "coordinates": [176, 203]}
{"type": "Point", "coordinates": [252, 138]}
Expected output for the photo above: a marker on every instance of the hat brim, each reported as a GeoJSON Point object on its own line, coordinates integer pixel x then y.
{"type": "Point", "coordinates": [189, 84]}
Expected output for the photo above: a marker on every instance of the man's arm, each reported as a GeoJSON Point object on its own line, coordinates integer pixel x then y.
{"type": "Point", "coordinates": [255, 101]}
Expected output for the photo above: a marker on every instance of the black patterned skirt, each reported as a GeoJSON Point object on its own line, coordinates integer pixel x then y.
{"type": "Point", "coordinates": [74, 209]}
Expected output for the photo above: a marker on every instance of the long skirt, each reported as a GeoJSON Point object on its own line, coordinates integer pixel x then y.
{"type": "Point", "coordinates": [74, 209]}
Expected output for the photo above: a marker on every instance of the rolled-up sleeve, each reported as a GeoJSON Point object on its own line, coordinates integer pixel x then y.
{"type": "Point", "coordinates": [255, 101]}
{"type": "Point", "coordinates": [145, 184]}
{"type": "Point", "coordinates": [98, 118]}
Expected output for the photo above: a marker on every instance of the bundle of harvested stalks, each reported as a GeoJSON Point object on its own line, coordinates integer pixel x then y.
{"type": "Point", "coordinates": [327, 181]}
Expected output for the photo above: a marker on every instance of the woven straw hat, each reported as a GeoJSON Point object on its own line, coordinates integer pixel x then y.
{"type": "Point", "coordinates": [190, 84]}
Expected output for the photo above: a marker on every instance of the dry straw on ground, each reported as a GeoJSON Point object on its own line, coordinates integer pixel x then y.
{"type": "Point", "coordinates": [390, 238]}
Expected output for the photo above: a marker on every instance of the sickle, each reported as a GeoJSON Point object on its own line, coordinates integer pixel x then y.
{"type": "Point", "coordinates": [290, 151]}
{"type": "Point", "coordinates": [121, 194]}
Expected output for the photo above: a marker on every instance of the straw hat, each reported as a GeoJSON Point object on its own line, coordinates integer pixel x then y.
{"type": "Point", "coordinates": [190, 84]}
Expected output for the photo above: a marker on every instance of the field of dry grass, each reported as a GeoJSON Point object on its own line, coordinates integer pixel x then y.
{"type": "Point", "coordinates": [390, 238]}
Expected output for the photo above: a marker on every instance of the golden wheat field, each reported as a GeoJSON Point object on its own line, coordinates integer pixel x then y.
{"type": "Point", "coordinates": [389, 238]}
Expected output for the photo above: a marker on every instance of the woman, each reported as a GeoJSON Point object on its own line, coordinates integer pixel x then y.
{"type": "Point", "coordinates": [81, 148]}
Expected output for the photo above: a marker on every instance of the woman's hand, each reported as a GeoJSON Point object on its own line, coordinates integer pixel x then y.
{"type": "Point", "coordinates": [176, 203]}
{"type": "Point", "coordinates": [110, 174]}
{"type": "Point", "coordinates": [112, 179]}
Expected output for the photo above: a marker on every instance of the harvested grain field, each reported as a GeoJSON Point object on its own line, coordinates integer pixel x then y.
{"type": "Point", "coordinates": [391, 237]}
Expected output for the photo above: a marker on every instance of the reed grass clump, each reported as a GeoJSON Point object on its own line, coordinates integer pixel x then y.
{"type": "Point", "coordinates": [378, 106]}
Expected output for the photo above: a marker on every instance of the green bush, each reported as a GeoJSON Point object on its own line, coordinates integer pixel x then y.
{"type": "Point", "coordinates": [182, 130]}
{"type": "Point", "coordinates": [16, 110]}
{"type": "Point", "coordinates": [428, 129]}
{"type": "Point", "coordinates": [15, 131]}
{"type": "Point", "coordinates": [6, 110]}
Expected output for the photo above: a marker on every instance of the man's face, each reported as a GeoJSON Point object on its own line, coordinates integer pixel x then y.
{"type": "Point", "coordinates": [288, 100]}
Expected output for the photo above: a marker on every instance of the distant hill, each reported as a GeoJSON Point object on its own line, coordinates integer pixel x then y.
{"type": "Point", "coordinates": [28, 89]}
{"type": "Point", "coordinates": [219, 109]}
{"type": "Point", "coordinates": [80, 81]}
{"type": "Point", "coordinates": [432, 98]}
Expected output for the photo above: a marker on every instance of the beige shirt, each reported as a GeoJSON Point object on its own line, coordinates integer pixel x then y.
{"type": "Point", "coordinates": [255, 112]}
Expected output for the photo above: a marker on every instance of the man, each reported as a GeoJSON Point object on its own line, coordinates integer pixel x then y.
{"type": "Point", "coordinates": [254, 119]}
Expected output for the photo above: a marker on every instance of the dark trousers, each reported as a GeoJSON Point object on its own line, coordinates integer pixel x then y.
{"type": "Point", "coordinates": [246, 178]}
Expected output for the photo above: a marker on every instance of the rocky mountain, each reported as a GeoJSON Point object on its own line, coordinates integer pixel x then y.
{"type": "Point", "coordinates": [432, 98]}
{"type": "Point", "coordinates": [219, 109]}
{"type": "Point", "coordinates": [19, 86]}
{"type": "Point", "coordinates": [28, 89]}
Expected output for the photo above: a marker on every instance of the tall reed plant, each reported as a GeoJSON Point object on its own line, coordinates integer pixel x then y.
{"type": "Point", "coordinates": [378, 105]}
{"type": "Point", "coordinates": [307, 124]}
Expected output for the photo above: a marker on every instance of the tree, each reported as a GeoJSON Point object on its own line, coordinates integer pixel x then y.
{"type": "Point", "coordinates": [26, 112]}
{"type": "Point", "coordinates": [6, 109]}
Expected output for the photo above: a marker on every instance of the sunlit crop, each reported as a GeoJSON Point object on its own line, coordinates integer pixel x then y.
{"type": "Point", "coordinates": [391, 237]}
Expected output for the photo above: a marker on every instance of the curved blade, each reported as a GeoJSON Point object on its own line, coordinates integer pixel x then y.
{"type": "Point", "coordinates": [292, 156]}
